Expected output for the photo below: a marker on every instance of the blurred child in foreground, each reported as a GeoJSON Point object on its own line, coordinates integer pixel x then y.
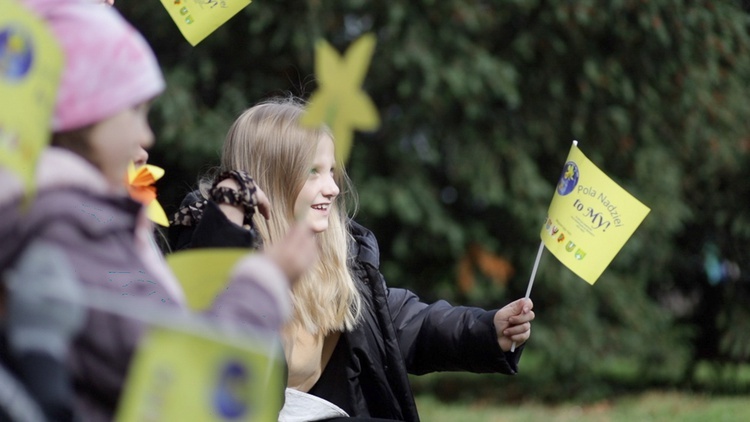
{"type": "Point", "coordinates": [82, 215]}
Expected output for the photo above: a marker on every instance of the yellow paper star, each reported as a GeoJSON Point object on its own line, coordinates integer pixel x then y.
{"type": "Point", "coordinates": [340, 101]}
{"type": "Point", "coordinates": [141, 188]}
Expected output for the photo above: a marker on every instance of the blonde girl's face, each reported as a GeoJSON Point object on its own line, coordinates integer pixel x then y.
{"type": "Point", "coordinates": [116, 140]}
{"type": "Point", "coordinates": [314, 201]}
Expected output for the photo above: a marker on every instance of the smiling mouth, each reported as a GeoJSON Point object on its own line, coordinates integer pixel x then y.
{"type": "Point", "coordinates": [321, 207]}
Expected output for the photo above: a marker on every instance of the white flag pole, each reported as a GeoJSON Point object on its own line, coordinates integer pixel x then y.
{"type": "Point", "coordinates": [531, 280]}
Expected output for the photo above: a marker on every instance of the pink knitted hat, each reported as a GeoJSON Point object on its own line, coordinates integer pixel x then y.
{"type": "Point", "coordinates": [108, 65]}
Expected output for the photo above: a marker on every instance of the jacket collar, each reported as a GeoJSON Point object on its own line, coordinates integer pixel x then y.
{"type": "Point", "coordinates": [365, 245]}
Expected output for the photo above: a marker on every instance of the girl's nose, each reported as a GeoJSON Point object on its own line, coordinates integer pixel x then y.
{"type": "Point", "coordinates": [141, 157]}
{"type": "Point", "coordinates": [147, 137]}
{"type": "Point", "coordinates": [330, 189]}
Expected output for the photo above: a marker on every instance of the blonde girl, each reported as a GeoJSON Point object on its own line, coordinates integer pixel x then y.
{"type": "Point", "coordinates": [353, 341]}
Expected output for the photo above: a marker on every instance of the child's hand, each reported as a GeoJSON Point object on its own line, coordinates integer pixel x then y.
{"type": "Point", "coordinates": [236, 213]}
{"type": "Point", "coordinates": [513, 323]}
{"type": "Point", "coordinates": [296, 252]}
{"type": "Point", "coordinates": [264, 205]}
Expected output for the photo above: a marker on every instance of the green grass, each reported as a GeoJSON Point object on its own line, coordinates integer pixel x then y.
{"type": "Point", "coordinates": [650, 406]}
{"type": "Point", "coordinates": [613, 391]}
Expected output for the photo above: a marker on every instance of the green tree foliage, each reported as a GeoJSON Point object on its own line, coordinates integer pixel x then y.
{"type": "Point", "coordinates": [480, 101]}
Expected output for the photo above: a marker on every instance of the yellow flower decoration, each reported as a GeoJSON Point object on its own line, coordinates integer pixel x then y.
{"type": "Point", "coordinates": [141, 188]}
{"type": "Point", "coordinates": [340, 101]}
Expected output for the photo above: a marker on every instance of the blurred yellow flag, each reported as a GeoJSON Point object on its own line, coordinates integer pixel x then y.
{"type": "Point", "coordinates": [177, 375]}
{"type": "Point", "coordinates": [197, 19]}
{"type": "Point", "coordinates": [590, 218]}
{"type": "Point", "coordinates": [30, 67]}
{"type": "Point", "coordinates": [204, 273]}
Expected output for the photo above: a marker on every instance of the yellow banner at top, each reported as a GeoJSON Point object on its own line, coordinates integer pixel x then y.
{"type": "Point", "coordinates": [590, 218]}
{"type": "Point", "coordinates": [30, 66]}
{"type": "Point", "coordinates": [197, 19]}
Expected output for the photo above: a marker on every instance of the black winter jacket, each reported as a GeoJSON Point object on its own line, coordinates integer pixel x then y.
{"type": "Point", "coordinates": [367, 374]}
{"type": "Point", "coordinates": [400, 335]}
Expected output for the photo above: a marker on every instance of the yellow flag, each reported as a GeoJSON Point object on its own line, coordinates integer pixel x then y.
{"type": "Point", "coordinates": [590, 218]}
{"type": "Point", "coordinates": [181, 376]}
{"type": "Point", "coordinates": [197, 19]}
{"type": "Point", "coordinates": [30, 67]}
{"type": "Point", "coordinates": [204, 273]}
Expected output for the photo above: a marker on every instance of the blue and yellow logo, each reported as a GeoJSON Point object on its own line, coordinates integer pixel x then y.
{"type": "Point", "coordinates": [568, 178]}
{"type": "Point", "coordinates": [233, 391]}
{"type": "Point", "coordinates": [16, 53]}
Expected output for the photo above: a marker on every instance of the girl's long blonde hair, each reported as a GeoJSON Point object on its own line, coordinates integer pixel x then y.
{"type": "Point", "coordinates": [268, 143]}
